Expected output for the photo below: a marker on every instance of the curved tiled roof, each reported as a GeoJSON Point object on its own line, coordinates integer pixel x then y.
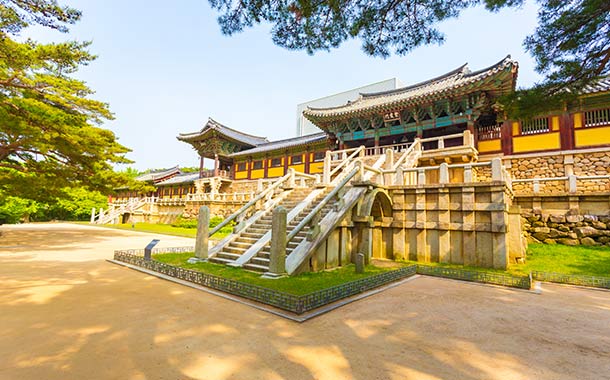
{"type": "Point", "coordinates": [282, 144]}
{"type": "Point", "coordinates": [159, 174]}
{"type": "Point", "coordinates": [601, 85]}
{"type": "Point", "coordinates": [446, 84]}
{"type": "Point", "coordinates": [231, 134]}
{"type": "Point", "coordinates": [180, 178]}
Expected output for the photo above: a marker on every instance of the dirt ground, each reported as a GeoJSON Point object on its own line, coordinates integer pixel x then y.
{"type": "Point", "coordinates": [65, 313]}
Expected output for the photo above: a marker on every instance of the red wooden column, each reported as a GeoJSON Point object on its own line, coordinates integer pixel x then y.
{"type": "Point", "coordinates": [249, 163]}
{"type": "Point", "coordinates": [506, 137]}
{"type": "Point", "coordinates": [266, 166]}
{"type": "Point", "coordinates": [200, 166]}
{"type": "Point", "coordinates": [566, 131]}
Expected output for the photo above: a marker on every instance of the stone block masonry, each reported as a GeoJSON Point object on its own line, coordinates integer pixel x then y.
{"type": "Point", "coordinates": [453, 223]}
{"type": "Point", "coordinates": [567, 229]}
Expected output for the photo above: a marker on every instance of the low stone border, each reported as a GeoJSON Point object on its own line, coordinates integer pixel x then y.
{"type": "Point", "coordinates": [522, 282]}
{"type": "Point", "coordinates": [571, 279]}
{"type": "Point", "coordinates": [285, 301]}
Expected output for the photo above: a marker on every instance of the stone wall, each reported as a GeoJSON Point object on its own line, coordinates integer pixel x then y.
{"type": "Point", "coordinates": [568, 229]}
{"type": "Point", "coordinates": [223, 209]}
{"type": "Point", "coordinates": [454, 223]}
{"type": "Point", "coordinates": [544, 165]}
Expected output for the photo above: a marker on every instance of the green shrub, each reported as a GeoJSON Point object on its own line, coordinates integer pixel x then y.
{"type": "Point", "coordinates": [184, 223]}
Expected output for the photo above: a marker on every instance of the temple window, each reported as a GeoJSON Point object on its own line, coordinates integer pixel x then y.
{"type": "Point", "coordinates": [489, 132]}
{"type": "Point", "coordinates": [533, 126]}
{"type": "Point", "coordinates": [319, 156]}
{"type": "Point", "coordinates": [257, 165]}
{"type": "Point", "coordinates": [296, 159]}
{"type": "Point", "coordinates": [276, 162]}
{"type": "Point", "coordinates": [597, 118]}
{"type": "Point", "coordinates": [241, 167]}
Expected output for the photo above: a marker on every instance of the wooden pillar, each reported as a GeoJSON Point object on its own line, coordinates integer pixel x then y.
{"type": "Point", "coordinates": [286, 157]}
{"type": "Point", "coordinates": [566, 131]}
{"type": "Point", "coordinates": [200, 166]}
{"type": "Point", "coordinates": [249, 168]}
{"type": "Point", "coordinates": [506, 137]}
{"type": "Point", "coordinates": [377, 141]}
{"type": "Point", "coordinates": [307, 154]}
{"type": "Point", "coordinates": [216, 165]}
{"type": "Point", "coordinates": [266, 164]}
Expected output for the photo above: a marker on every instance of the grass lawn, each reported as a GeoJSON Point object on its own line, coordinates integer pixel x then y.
{"type": "Point", "coordinates": [579, 260]}
{"type": "Point", "coordinates": [297, 285]}
{"type": "Point", "coordinates": [165, 229]}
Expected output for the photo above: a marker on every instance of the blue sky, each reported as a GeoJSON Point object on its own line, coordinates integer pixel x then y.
{"type": "Point", "coordinates": [164, 68]}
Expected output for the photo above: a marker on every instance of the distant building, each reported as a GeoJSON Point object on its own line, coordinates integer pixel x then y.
{"type": "Point", "coordinates": [306, 127]}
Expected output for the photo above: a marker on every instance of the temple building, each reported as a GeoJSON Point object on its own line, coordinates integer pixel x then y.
{"type": "Point", "coordinates": [434, 171]}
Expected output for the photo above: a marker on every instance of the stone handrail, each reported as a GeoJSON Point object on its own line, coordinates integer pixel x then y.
{"type": "Point", "coordinates": [498, 172]}
{"type": "Point", "coordinates": [223, 197]}
{"type": "Point", "coordinates": [288, 179]}
{"type": "Point", "coordinates": [359, 169]}
{"type": "Point", "coordinates": [323, 203]}
{"type": "Point", "coordinates": [571, 181]}
{"type": "Point", "coordinates": [346, 160]}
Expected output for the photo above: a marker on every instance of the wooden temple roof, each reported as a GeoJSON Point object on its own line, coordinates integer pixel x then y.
{"type": "Point", "coordinates": [602, 85]}
{"type": "Point", "coordinates": [283, 144]}
{"type": "Point", "coordinates": [214, 129]}
{"type": "Point", "coordinates": [159, 175]}
{"type": "Point", "coordinates": [180, 179]}
{"type": "Point", "coordinates": [497, 79]}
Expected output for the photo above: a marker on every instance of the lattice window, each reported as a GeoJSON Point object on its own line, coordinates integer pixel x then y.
{"type": "Point", "coordinates": [241, 167]}
{"type": "Point", "coordinates": [490, 132]}
{"type": "Point", "coordinates": [597, 118]}
{"type": "Point", "coordinates": [533, 126]}
{"type": "Point", "coordinates": [296, 159]}
{"type": "Point", "coordinates": [276, 162]}
{"type": "Point", "coordinates": [318, 156]}
{"type": "Point", "coordinates": [257, 165]}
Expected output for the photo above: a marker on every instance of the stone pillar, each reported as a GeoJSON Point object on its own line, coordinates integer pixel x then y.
{"type": "Point", "coordinates": [326, 172]}
{"type": "Point", "coordinates": [499, 229]}
{"type": "Point", "coordinates": [93, 215]}
{"type": "Point", "coordinates": [444, 219]}
{"type": "Point", "coordinates": [496, 169]}
{"type": "Point", "coordinates": [423, 253]}
{"type": "Point", "coordinates": [389, 162]}
{"type": "Point", "coordinates": [443, 173]}
{"type": "Point", "coordinates": [101, 214]}
{"type": "Point", "coordinates": [277, 259]}
{"type": "Point", "coordinates": [203, 226]}
{"type": "Point", "coordinates": [360, 263]}
{"type": "Point", "coordinates": [468, 226]}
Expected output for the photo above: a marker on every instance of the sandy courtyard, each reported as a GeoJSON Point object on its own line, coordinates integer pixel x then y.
{"type": "Point", "coordinates": [65, 313]}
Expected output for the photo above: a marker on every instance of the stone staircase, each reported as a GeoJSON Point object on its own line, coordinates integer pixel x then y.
{"type": "Point", "coordinates": [246, 238]}
{"type": "Point", "coordinates": [260, 262]}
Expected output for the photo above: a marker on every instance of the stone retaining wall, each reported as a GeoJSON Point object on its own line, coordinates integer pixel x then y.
{"type": "Point", "coordinates": [560, 165]}
{"type": "Point", "coordinates": [568, 229]}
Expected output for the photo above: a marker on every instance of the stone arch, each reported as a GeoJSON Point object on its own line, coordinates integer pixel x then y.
{"type": "Point", "coordinates": [376, 207]}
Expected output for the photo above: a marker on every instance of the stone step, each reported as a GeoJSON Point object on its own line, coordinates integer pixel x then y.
{"type": "Point", "coordinates": [239, 251]}
{"type": "Point", "coordinates": [256, 267]}
{"type": "Point", "coordinates": [260, 261]}
{"type": "Point", "coordinates": [220, 260]}
{"type": "Point", "coordinates": [240, 244]}
{"type": "Point", "coordinates": [228, 255]}
{"type": "Point", "coordinates": [252, 235]}
{"type": "Point", "coordinates": [248, 239]}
